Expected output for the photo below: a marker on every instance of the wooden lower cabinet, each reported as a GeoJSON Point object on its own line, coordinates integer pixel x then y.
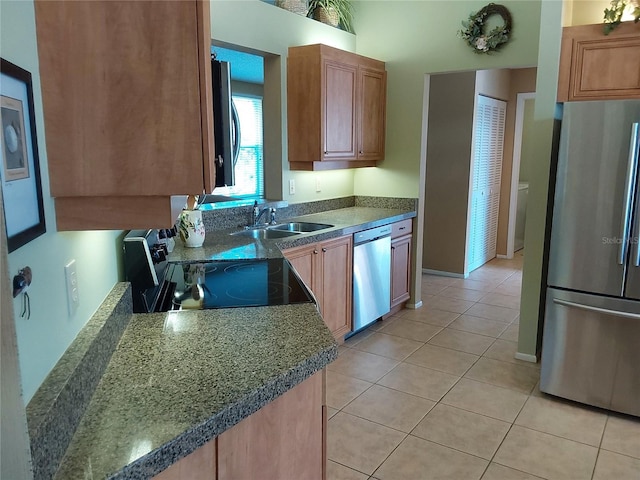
{"type": "Point", "coordinates": [401, 242]}
{"type": "Point", "coordinates": [284, 440]}
{"type": "Point", "coordinates": [199, 465]}
{"type": "Point", "coordinates": [400, 269]}
{"type": "Point", "coordinates": [327, 269]}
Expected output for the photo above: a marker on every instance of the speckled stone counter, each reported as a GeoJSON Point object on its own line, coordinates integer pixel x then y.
{"type": "Point", "coordinates": [220, 244]}
{"type": "Point", "coordinates": [179, 379]}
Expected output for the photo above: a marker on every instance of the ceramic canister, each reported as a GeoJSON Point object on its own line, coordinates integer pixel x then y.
{"type": "Point", "coordinates": [191, 228]}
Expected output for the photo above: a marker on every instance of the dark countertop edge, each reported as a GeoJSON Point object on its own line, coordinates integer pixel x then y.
{"type": "Point", "coordinates": [160, 459]}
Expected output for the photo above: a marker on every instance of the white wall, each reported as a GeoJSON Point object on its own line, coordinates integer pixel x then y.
{"type": "Point", "coordinates": [44, 337]}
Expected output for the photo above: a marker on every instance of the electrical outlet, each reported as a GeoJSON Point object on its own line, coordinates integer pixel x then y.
{"type": "Point", "coordinates": [292, 187]}
{"type": "Point", "coordinates": [71, 277]}
{"type": "Point", "coordinates": [318, 186]}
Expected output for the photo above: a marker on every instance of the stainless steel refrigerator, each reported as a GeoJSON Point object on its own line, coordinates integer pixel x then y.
{"type": "Point", "coordinates": [591, 337]}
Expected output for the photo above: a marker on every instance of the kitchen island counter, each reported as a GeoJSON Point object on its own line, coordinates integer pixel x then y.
{"type": "Point", "coordinates": [178, 379]}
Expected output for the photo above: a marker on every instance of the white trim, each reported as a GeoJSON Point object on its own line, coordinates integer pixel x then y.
{"type": "Point", "coordinates": [444, 274]}
{"type": "Point", "coordinates": [515, 170]}
{"type": "Point", "coordinates": [413, 306]}
{"type": "Point", "coordinates": [467, 232]}
{"type": "Point", "coordinates": [526, 357]}
{"type": "Point", "coordinates": [506, 257]}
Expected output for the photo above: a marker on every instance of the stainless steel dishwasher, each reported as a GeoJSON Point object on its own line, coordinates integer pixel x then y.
{"type": "Point", "coordinates": [371, 275]}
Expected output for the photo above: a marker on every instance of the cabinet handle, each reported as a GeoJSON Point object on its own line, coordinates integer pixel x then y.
{"type": "Point", "coordinates": [360, 152]}
{"type": "Point", "coordinates": [402, 228]}
{"type": "Point", "coordinates": [393, 248]}
{"type": "Point", "coordinates": [324, 249]}
{"type": "Point", "coordinates": [315, 252]}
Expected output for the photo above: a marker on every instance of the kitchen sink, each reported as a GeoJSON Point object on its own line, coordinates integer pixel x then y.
{"type": "Point", "coordinates": [300, 227]}
{"type": "Point", "coordinates": [265, 233]}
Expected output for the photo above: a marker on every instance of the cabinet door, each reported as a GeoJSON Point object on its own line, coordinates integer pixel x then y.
{"type": "Point", "coordinates": [339, 111]}
{"type": "Point", "coordinates": [121, 96]}
{"type": "Point", "coordinates": [199, 465]}
{"type": "Point", "coordinates": [282, 440]}
{"type": "Point", "coordinates": [371, 113]}
{"type": "Point", "coordinates": [337, 272]}
{"type": "Point", "coordinates": [400, 269]}
{"type": "Point", "coordinates": [606, 69]}
{"type": "Point", "coordinates": [598, 67]}
{"type": "Point", "coordinates": [127, 109]}
{"type": "Point", "coordinates": [304, 260]}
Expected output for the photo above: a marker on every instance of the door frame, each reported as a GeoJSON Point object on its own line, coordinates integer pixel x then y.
{"type": "Point", "coordinates": [515, 169]}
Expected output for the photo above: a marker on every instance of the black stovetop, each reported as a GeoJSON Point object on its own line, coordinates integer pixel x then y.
{"type": "Point", "coordinates": [235, 283]}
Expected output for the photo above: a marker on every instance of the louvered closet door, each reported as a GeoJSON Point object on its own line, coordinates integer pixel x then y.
{"type": "Point", "coordinates": [485, 185]}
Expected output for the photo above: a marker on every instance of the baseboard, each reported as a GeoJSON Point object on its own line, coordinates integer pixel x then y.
{"type": "Point", "coordinates": [444, 274]}
{"type": "Point", "coordinates": [505, 257]}
{"type": "Point", "coordinates": [526, 357]}
{"type": "Point", "coordinates": [413, 306]}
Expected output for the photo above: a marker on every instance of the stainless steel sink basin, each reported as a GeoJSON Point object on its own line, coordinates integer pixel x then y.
{"type": "Point", "coordinates": [301, 227]}
{"type": "Point", "coordinates": [265, 233]}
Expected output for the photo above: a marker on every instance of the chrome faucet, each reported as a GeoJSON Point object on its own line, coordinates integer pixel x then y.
{"type": "Point", "coordinates": [258, 214]}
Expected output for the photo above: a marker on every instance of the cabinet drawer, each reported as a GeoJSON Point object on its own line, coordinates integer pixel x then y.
{"type": "Point", "coordinates": [399, 229]}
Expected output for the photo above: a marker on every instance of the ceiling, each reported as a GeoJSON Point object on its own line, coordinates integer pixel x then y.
{"type": "Point", "coordinates": [245, 67]}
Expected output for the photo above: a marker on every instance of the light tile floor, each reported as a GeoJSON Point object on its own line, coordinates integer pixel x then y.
{"type": "Point", "coordinates": [436, 393]}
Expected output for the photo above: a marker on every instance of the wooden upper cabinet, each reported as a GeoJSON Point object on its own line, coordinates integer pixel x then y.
{"type": "Point", "coordinates": [371, 113]}
{"type": "Point", "coordinates": [594, 66]}
{"type": "Point", "coordinates": [126, 90]}
{"type": "Point", "coordinates": [339, 123]}
{"type": "Point", "coordinates": [336, 109]}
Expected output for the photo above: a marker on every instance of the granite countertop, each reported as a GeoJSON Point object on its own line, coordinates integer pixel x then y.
{"type": "Point", "coordinates": [178, 379]}
{"type": "Point", "coordinates": [221, 245]}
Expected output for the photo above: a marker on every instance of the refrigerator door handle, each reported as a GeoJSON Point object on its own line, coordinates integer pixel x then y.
{"type": "Point", "coordinates": [590, 308]}
{"type": "Point", "coordinates": [632, 169]}
{"type": "Point", "coordinates": [634, 152]}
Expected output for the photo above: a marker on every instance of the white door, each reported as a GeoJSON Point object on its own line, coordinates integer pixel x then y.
{"type": "Point", "coordinates": [486, 171]}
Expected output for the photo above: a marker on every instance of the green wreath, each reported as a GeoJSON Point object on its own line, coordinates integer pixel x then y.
{"type": "Point", "coordinates": [474, 35]}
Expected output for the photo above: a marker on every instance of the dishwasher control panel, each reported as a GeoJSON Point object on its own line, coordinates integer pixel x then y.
{"type": "Point", "coordinates": [371, 234]}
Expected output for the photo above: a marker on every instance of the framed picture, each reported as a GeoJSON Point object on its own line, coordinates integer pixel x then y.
{"type": "Point", "coordinates": [20, 166]}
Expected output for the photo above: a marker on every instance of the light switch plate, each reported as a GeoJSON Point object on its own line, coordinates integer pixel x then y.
{"type": "Point", "coordinates": [292, 187]}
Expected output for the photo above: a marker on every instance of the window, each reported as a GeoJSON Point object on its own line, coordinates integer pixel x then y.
{"type": "Point", "coordinates": [249, 169]}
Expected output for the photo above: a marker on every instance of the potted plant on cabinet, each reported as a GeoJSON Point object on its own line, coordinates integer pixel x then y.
{"type": "Point", "coordinates": [613, 16]}
{"type": "Point", "coordinates": [295, 6]}
{"type": "Point", "coordinates": [332, 12]}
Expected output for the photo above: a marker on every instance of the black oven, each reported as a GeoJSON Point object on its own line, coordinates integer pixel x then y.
{"type": "Point", "coordinates": [160, 286]}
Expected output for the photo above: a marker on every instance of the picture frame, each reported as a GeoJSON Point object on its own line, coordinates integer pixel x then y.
{"type": "Point", "coordinates": [19, 159]}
